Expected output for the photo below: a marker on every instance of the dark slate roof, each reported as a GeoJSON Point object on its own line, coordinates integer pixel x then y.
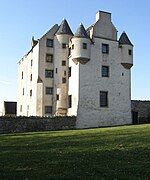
{"type": "Point", "coordinates": [64, 28]}
{"type": "Point", "coordinates": [10, 107]}
{"type": "Point", "coordinates": [124, 39]}
{"type": "Point", "coordinates": [81, 32]}
{"type": "Point", "coordinates": [39, 80]}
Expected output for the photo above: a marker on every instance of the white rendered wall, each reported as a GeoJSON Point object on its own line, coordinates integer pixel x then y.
{"type": "Point", "coordinates": [126, 58]}
{"type": "Point", "coordinates": [44, 99]}
{"type": "Point", "coordinates": [90, 114]}
{"type": "Point", "coordinates": [78, 52]}
{"type": "Point", "coordinates": [35, 105]}
{"type": "Point", "coordinates": [73, 87]}
{"type": "Point", "coordinates": [28, 102]}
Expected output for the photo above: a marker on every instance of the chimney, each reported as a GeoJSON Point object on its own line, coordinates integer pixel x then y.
{"type": "Point", "coordinates": [103, 16]}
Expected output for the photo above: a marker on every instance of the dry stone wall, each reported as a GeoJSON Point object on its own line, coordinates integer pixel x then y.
{"type": "Point", "coordinates": [29, 124]}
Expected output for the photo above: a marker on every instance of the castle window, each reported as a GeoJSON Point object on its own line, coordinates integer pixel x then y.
{"type": "Point", "coordinates": [69, 52]}
{"type": "Point", "coordinates": [49, 42]}
{"type": "Point", "coordinates": [69, 72]}
{"type": "Point", "coordinates": [105, 71]}
{"type": "Point", "coordinates": [57, 97]}
{"type": "Point", "coordinates": [130, 52]}
{"type": "Point", "coordinates": [20, 108]}
{"type": "Point", "coordinates": [49, 58]}
{"type": "Point", "coordinates": [72, 46]}
{"type": "Point", "coordinates": [22, 75]}
{"type": "Point", "coordinates": [23, 91]}
{"type": "Point", "coordinates": [84, 45]}
{"type": "Point", "coordinates": [63, 80]}
{"type": "Point", "coordinates": [48, 109]}
{"type": "Point", "coordinates": [105, 48]}
{"type": "Point", "coordinates": [56, 70]}
{"type": "Point", "coordinates": [31, 77]}
{"type": "Point", "coordinates": [103, 99]}
{"type": "Point", "coordinates": [31, 92]}
{"type": "Point", "coordinates": [49, 90]}
{"type": "Point", "coordinates": [31, 62]}
{"type": "Point", "coordinates": [64, 73]}
{"type": "Point", "coordinates": [63, 63]}
{"type": "Point", "coordinates": [48, 73]}
{"type": "Point", "coordinates": [70, 101]}
{"type": "Point", "coordinates": [64, 45]}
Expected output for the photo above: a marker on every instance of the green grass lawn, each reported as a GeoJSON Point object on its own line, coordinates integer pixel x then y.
{"type": "Point", "coordinates": [118, 152]}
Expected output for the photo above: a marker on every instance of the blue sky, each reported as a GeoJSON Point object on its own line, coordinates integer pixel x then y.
{"type": "Point", "coordinates": [22, 19]}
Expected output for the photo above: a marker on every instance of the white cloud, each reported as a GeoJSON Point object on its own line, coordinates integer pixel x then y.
{"type": "Point", "coordinates": [5, 82]}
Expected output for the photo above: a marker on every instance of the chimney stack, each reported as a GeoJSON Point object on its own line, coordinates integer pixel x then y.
{"type": "Point", "coordinates": [103, 16]}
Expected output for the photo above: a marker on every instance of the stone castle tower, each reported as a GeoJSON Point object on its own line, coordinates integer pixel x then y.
{"type": "Point", "coordinates": [87, 74]}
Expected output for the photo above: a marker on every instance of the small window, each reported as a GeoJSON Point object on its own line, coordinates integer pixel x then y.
{"type": "Point", "coordinates": [49, 90]}
{"type": "Point", "coordinates": [105, 48]}
{"type": "Point", "coordinates": [69, 52]}
{"type": "Point", "coordinates": [63, 45]}
{"type": "Point", "coordinates": [57, 97]}
{"type": "Point", "coordinates": [31, 77]}
{"type": "Point", "coordinates": [31, 92]}
{"type": "Point", "coordinates": [84, 45]}
{"type": "Point", "coordinates": [130, 52]}
{"type": "Point", "coordinates": [49, 73]}
{"type": "Point", "coordinates": [49, 42]}
{"type": "Point", "coordinates": [103, 99]}
{"type": "Point", "coordinates": [49, 58]}
{"type": "Point", "coordinates": [56, 70]}
{"type": "Point", "coordinates": [63, 80]}
{"type": "Point", "coordinates": [70, 101]}
{"type": "Point", "coordinates": [20, 108]}
{"type": "Point", "coordinates": [23, 91]}
{"type": "Point", "coordinates": [63, 63]}
{"type": "Point", "coordinates": [48, 109]}
{"type": "Point", "coordinates": [105, 71]}
{"type": "Point", "coordinates": [27, 107]}
{"type": "Point", "coordinates": [64, 73]}
{"type": "Point", "coordinates": [72, 46]}
{"type": "Point", "coordinates": [22, 75]}
{"type": "Point", "coordinates": [31, 62]}
{"type": "Point", "coordinates": [69, 72]}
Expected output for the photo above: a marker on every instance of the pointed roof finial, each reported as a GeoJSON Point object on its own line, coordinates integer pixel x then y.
{"type": "Point", "coordinates": [81, 32]}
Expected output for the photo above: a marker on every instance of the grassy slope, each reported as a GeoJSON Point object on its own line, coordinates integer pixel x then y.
{"type": "Point", "coordinates": [122, 152]}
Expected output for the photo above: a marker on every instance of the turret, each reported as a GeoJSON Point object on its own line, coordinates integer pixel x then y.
{"type": "Point", "coordinates": [80, 46]}
{"type": "Point", "coordinates": [61, 41]}
{"type": "Point", "coordinates": [126, 51]}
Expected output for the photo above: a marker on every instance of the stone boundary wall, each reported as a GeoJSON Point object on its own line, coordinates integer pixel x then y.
{"type": "Point", "coordinates": [29, 124]}
{"type": "Point", "coordinates": [143, 109]}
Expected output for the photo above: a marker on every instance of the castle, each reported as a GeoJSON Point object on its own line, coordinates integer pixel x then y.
{"type": "Point", "coordinates": [87, 74]}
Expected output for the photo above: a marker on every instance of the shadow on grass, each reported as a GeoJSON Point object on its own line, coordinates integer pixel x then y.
{"type": "Point", "coordinates": [115, 153]}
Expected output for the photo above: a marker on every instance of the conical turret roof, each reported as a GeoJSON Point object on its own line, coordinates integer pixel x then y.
{"type": "Point", "coordinates": [81, 32]}
{"type": "Point", "coordinates": [124, 39]}
{"type": "Point", "coordinates": [64, 28]}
